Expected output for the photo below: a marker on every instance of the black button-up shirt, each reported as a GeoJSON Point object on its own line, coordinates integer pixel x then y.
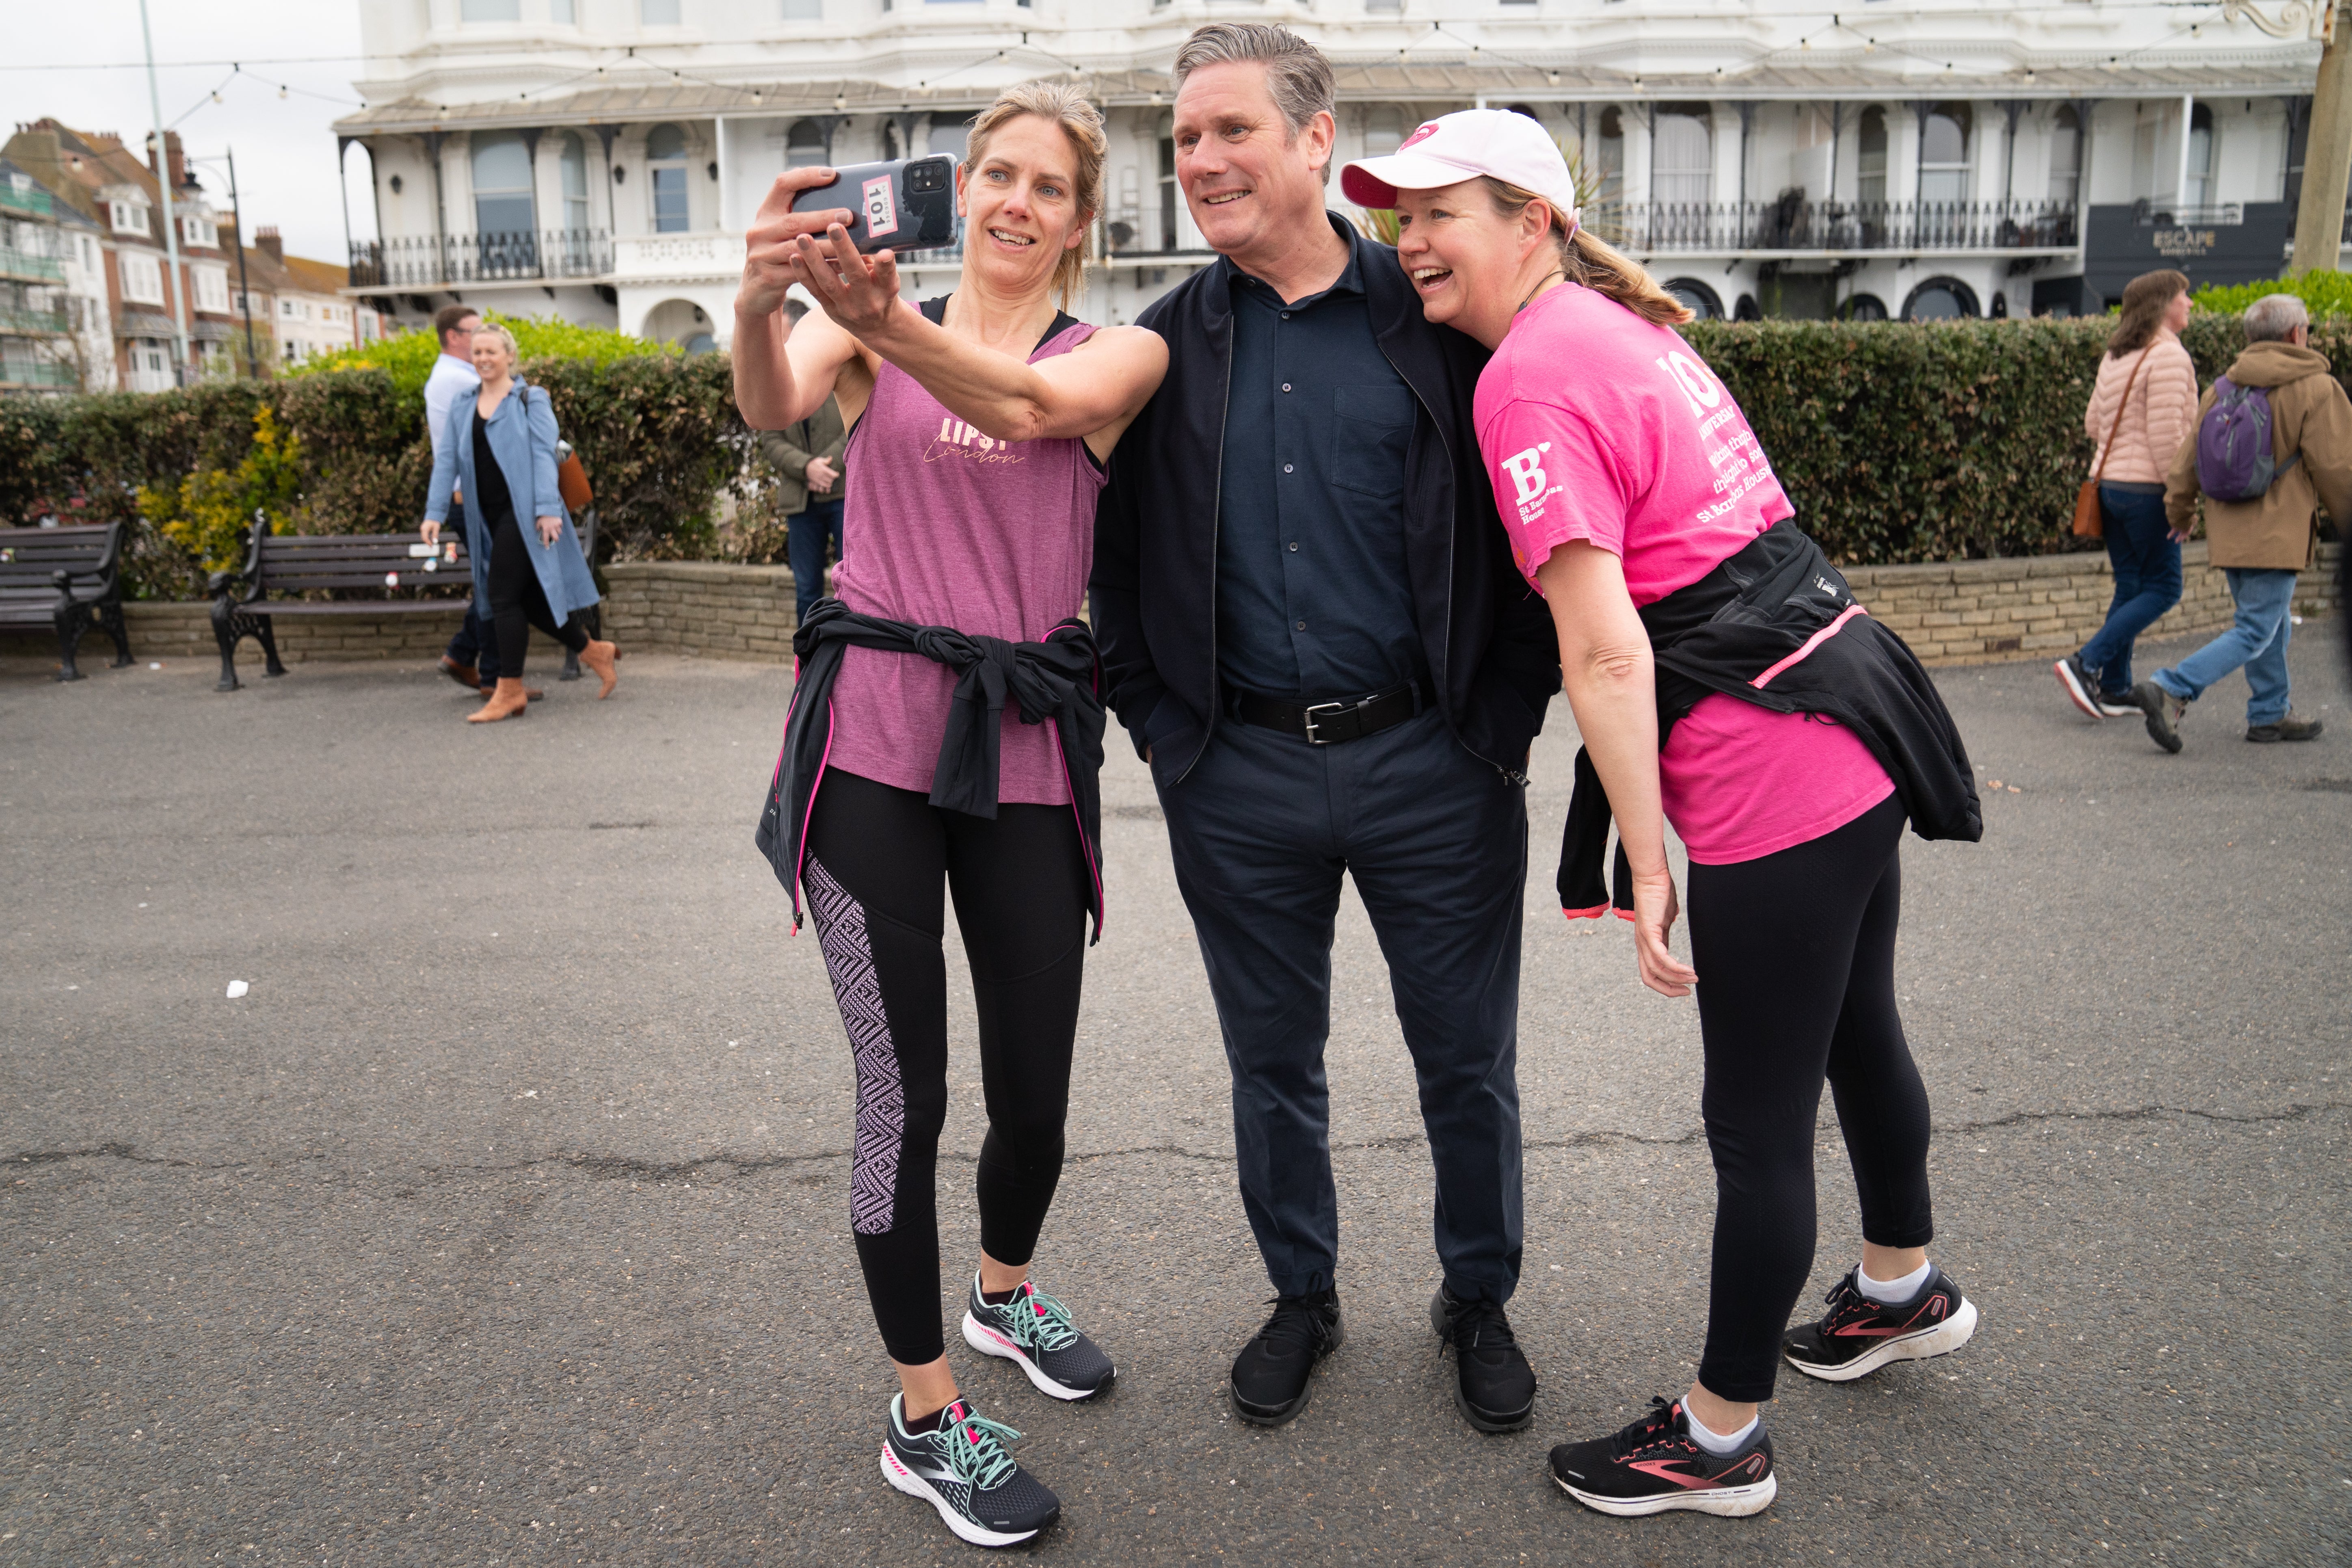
{"type": "Point", "coordinates": [1314, 598]}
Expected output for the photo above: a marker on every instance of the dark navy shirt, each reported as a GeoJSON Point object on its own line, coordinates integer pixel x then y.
{"type": "Point", "coordinates": [1313, 595]}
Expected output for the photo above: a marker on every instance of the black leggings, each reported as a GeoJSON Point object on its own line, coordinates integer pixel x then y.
{"type": "Point", "coordinates": [1795, 952]}
{"type": "Point", "coordinates": [877, 859]}
{"type": "Point", "coordinates": [517, 601]}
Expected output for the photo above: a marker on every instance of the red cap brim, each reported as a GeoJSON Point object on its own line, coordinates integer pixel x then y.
{"type": "Point", "coordinates": [1361, 188]}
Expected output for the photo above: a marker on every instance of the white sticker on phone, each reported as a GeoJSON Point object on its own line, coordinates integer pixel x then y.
{"type": "Point", "coordinates": [881, 212]}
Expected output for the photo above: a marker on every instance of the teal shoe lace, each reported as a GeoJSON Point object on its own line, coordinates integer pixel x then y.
{"type": "Point", "coordinates": [1045, 1326]}
{"type": "Point", "coordinates": [976, 1453]}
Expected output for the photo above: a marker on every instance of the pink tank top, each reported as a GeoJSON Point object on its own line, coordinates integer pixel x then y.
{"type": "Point", "coordinates": [946, 527]}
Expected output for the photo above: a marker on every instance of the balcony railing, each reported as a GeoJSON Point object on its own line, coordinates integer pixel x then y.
{"type": "Point", "coordinates": [1792, 224]}
{"type": "Point", "coordinates": [28, 320]}
{"type": "Point", "coordinates": [26, 266]}
{"type": "Point", "coordinates": [427, 262]}
{"type": "Point", "coordinates": [30, 375]}
{"type": "Point", "coordinates": [1136, 232]}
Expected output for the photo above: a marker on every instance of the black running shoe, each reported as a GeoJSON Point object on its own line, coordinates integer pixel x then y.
{"type": "Point", "coordinates": [1860, 1335]}
{"type": "Point", "coordinates": [1494, 1387]}
{"type": "Point", "coordinates": [962, 1471]}
{"type": "Point", "coordinates": [2081, 686]}
{"type": "Point", "coordinates": [1032, 1330]}
{"type": "Point", "coordinates": [1654, 1467]}
{"type": "Point", "coordinates": [1271, 1376]}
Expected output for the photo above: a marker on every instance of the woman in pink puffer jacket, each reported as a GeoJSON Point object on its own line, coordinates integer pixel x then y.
{"type": "Point", "coordinates": [2146, 401]}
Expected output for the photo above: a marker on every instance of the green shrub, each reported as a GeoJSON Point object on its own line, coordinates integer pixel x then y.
{"type": "Point", "coordinates": [408, 358]}
{"type": "Point", "coordinates": [209, 513]}
{"type": "Point", "coordinates": [2326, 293]}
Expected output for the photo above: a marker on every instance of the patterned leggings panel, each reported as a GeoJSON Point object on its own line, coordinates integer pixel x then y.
{"type": "Point", "coordinates": [881, 864]}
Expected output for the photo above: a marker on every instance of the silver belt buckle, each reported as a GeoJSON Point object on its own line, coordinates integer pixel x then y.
{"type": "Point", "coordinates": [1312, 738]}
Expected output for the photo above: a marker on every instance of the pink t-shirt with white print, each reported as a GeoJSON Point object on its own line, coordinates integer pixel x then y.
{"type": "Point", "coordinates": [1598, 425]}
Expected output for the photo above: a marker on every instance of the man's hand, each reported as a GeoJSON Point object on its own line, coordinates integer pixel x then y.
{"type": "Point", "coordinates": [820, 475]}
{"type": "Point", "coordinates": [769, 258]}
{"type": "Point", "coordinates": [2180, 535]}
{"type": "Point", "coordinates": [550, 528]}
{"type": "Point", "coordinates": [432, 531]}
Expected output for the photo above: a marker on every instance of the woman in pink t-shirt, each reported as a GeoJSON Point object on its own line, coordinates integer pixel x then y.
{"type": "Point", "coordinates": [1626, 472]}
{"type": "Point", "coordinates": [980, 425]}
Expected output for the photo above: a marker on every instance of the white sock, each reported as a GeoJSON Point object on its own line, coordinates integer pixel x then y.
{"type": "Point", "coordinates": [1892, 1293]}
{"type": "Point", "coordinates": [1715, 1442]}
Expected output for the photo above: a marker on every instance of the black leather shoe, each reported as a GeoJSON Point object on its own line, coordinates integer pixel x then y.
{"type": "Point", "coordinates": [1273, 1376]}
{"type": "Point", "coordinates": [1494, 1387]}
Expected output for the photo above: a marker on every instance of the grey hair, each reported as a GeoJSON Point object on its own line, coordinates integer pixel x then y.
{"type": "Point", "coordinates": [2274, 317]}
{"type": "Point", "coordinates": [1296, 74]}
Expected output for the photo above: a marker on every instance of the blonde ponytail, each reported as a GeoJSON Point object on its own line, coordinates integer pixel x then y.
{"type": "Point", "coordinates": [1587, 259]}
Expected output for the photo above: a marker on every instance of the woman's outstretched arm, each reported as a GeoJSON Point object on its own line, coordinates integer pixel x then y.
{"type": "Point", "coordinates": [1099, 386]}
{"type": "Point", "coordinates": [782, 376]}
{"type": "Point", "coordinates": [1607, 668]}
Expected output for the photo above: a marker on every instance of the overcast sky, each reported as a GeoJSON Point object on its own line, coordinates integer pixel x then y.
{"type": "Point", "coordinates": [285, 147]}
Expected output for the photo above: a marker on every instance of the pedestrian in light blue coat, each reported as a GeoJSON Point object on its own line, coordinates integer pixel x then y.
{"type": "Point", "coordinates": [501, 447]}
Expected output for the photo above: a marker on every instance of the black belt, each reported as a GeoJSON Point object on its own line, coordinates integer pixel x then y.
{"type": "Point", "coordinates": [1329, 723]}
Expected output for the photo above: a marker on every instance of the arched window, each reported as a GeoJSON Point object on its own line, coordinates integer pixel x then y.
{"type": "Point", "coordinates": [1944, 154]}
{"type": "Point", "coordinates": [949, 136]}
{"type": "Point", "coordinates": [1863, 308]}
{"type": "Point", "coordinates": [2199, 192]}
{"type": "Point", "coordinates": [1941, 299]}
{"type": "Point", "coordinates": [803, 144]}
{"type": "Point", "coordinates": [2065, 155]}
{"type": "Point", "coordinates": [572, 159]}
{"type": "Point", "coordinates": [1384, 129]}
{"type": "Point", "coordinates": [1682, 150]}
{"type": "Point", "coordinates": [1612, 155]}
{"type": "Point", "coordinates": [1697, 296]}
{"type": "Point", "coordinates": [1872, 157]}
{"type": "Point", "coordinates": [502, 169]}
{"type": "Point", "coordinates": [665, 170]}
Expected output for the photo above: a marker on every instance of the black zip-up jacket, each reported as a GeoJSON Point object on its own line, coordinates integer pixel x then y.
{"type": "Point", "coordinates": [1492, 657]}
{"type": "Point", "coordinates": [1776, 625]}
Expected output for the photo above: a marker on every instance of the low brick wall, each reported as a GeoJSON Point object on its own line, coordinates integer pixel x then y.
{"type": "Point", "coordinates": [1975, 612]}
{"type": "Point", "coordinates": [702, 607]}
{"type": "Point", "coordinates": [1968, 612]}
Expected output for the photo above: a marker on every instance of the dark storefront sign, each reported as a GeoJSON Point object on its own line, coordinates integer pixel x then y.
{"type": "Point", "coordinates": [2122, 242]}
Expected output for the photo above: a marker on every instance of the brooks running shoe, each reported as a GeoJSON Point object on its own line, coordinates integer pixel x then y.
{"type": "Point", "coordinates": [1655, 1466]}
{"type": "Point", "coordinates": [1032, 1330]}
{"type": "Point", "coordinates": [962, 1471]}
{"type": "Point", "coordinates": [1860, 1335]}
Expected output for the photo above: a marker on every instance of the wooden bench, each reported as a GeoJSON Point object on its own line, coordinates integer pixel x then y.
{"type": "Point", "coordinates": [399, 573]}
{"type": "Point", "coordinates": [68, 578]}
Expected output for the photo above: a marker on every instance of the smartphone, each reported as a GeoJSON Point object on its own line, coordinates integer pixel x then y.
{"type": "Point", "coordinates": [909, 204]}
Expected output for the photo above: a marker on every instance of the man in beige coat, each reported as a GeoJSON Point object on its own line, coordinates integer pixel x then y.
{"type": "Point", "coordinates": [807, 457]}
{"type": "Point", "coordinates": [2263, 542]}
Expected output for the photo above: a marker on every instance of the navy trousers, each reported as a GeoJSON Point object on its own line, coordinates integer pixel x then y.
{"type": "Point", "coordinates": [805, 537]}
{"type": "Point", "coordinates": [473, 646]}
{"type": "Point", "coordinates": [1262, 829]}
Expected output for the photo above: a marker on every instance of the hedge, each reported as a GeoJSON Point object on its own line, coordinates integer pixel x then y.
{"type": "Point", "coordinates": [1898, 442]}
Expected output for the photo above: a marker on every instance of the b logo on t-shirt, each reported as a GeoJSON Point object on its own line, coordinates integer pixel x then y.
{"type": "Point", "coordinates": [1527, 473]}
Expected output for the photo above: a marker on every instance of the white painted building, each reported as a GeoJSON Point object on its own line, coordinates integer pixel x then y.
{"type": "Point", "coordinates": [599, 159]}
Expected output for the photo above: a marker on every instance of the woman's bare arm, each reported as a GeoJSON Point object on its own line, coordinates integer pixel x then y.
{"type": "Point", "coordinates": [1606, 668]}
{"type": "Point", "coordinates": [1095, 389]}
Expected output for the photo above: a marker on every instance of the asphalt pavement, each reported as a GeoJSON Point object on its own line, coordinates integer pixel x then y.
{"type": "Point", "coordinates": [504, 1218]}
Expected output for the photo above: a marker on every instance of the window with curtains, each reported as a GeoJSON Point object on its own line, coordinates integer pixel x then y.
{"type": "Point", "coordinates": [563, 13]}
{"type": "Point", "coordinates": [1871, 156]}
{"type": "Point", "coordinates": [803, 144]}
{"type": "Point", "coordinates": [1383, 130]}
{"type": "Point", "coordinates": [501, 166]}
{"type": "Point", "coordinates": [1682, 147]}
{"type": "Point", "coordinates": [2065, 155]}
{"type": "Point", "coordinates": [657, 12]}
{"type": "Point", "coordinates": [1611, 162]}
{"type": "Point", "coordinates": [489, 10]}
{"type": "Point", "coordinates": [1944, 155]}
{"type": "Point", "coordinates": [666, 171]}
{"type": "Point", "coordinates": [572, 158]}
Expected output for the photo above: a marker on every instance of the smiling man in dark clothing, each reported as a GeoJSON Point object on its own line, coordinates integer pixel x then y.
{"type": "Point", "coordinates": [1314, 633]}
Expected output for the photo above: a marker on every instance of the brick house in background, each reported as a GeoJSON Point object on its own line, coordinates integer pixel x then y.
{"type": "Point", "coordinates": [98, 176]}
{"type": "Point", "coordinates": [299, 311]}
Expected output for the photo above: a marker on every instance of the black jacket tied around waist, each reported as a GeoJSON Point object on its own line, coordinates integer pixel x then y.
{"type": "Point", "coordinates": [1777, 626]}
{"type": "Point", "coordinates": [1057, 679]}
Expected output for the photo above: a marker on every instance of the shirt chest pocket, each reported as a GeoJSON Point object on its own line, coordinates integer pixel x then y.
{"type": "Point", "coordinates": [1370, 428]}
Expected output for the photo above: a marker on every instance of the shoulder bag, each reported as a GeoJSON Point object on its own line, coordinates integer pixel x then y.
{"type": "Point", "coordinates": [2089, 523]}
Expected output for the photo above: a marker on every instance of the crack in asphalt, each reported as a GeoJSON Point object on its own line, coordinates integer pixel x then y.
{"type": "Point", "coordinates": [618, 1167]}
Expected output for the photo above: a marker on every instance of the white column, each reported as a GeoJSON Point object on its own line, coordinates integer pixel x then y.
{"type": "Point", "coordinates": [2180, 176]}
{"type": "Point", "coordinates": [726, 180]}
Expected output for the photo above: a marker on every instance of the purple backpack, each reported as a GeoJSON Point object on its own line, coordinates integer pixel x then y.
{"type": "Point", "coordinates": [2233, 443]}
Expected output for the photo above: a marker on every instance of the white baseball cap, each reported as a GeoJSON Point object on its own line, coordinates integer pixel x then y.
{"type": "Point", "coordinates": [1461, 146]}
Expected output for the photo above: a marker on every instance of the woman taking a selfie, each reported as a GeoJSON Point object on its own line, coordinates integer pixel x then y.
{"type": "Point", "coordinates": [1724, 679]}
{"type": "Point", "coordinates": [501, 449]}
{"type": "Point", "coordinates": [980, 424]}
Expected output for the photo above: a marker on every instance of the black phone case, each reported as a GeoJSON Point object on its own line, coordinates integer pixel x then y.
{"type": "Point", "coordinates": [909, 204]}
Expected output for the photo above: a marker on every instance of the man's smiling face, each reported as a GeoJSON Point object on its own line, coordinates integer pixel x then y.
{"type": "Point", "coordinates": [1249, 180]}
